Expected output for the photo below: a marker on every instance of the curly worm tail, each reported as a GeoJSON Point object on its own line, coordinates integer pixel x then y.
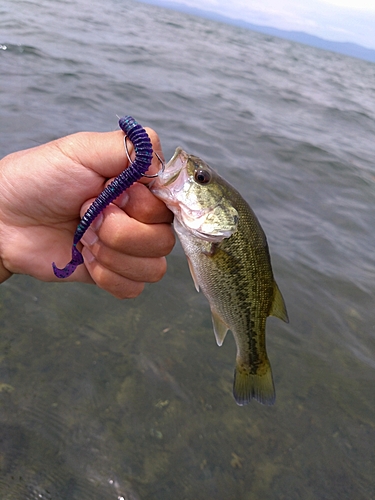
{"type": "Point", "coordinates": [143, 158]}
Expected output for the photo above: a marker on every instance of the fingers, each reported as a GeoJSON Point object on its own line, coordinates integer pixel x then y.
{"type": "Point", "coordinates": [139, 203]}
{"type": "Point", "coordinates": [120, 285]}
{"type": "Point", "coordinates": [141, 227]}
{"type": "Point", "coordinates": [125, 247]}
{"type": "Point", "coordinates": [127, 236]}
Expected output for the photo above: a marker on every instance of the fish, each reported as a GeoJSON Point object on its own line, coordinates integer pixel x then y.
{"type": "Point", "coordinates": [229, 260]}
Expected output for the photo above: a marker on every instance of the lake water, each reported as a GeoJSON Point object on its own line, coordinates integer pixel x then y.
{"type": "Point", "coordinates": [131, 400]}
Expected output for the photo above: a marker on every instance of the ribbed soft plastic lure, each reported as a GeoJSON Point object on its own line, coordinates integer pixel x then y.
{"type": "Point", "coordinates": [143, 157]}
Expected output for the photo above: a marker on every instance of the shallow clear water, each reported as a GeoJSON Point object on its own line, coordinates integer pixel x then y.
{"type": "Point", "coordinates": [108, 399]}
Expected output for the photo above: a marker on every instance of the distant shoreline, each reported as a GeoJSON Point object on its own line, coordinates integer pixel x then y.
{"type": "Point", "coordinates": [345, 48]}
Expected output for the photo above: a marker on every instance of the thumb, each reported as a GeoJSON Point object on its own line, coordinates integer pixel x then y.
{"type": "Point", "coordinates": [104, 152]}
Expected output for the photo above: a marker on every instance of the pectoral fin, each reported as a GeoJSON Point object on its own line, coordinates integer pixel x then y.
{"type": "Point", "coordinates": [278, 308]}
{"type": "Point", "coordinates": [220, 328]}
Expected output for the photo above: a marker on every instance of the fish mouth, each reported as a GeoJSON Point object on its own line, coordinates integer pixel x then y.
{"type": "Point", "coordinates": [165, 186]}
{"type": "Point", "coordinates": [174, 167]}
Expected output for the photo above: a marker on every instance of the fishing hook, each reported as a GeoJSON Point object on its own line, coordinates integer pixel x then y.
{"type": "Point", "coordinates": [149, 176]}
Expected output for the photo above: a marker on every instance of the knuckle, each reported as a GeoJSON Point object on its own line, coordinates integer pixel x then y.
{"type": "Point", "coordinates": [169, 241]}
{"type": "Point", "coordinates": [114, 236]}
{"type": "Point", "coordinates": [163, 243]}
{"type": "Point", "coordinates": [130, 290]}
{"type": "Point", "coordinates": [160, 268]}
{"type": "Point", "coordinates": [102, 255]}
{"type": "Point", "coordinates": [148, 212]}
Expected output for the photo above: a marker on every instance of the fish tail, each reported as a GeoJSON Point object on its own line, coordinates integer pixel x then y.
{"type": "Point", "coordinates": [259, 385]}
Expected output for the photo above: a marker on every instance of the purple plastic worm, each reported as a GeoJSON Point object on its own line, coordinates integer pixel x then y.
{"type": "Point", "coordinates": [143, 157]}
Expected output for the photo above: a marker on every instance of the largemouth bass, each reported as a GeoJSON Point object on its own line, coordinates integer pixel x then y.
{"type": "Point", "coordinates": [228, 256]}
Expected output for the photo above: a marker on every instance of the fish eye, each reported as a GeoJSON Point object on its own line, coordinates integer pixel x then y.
{"type": "Point", "coordinates": [202, 176]}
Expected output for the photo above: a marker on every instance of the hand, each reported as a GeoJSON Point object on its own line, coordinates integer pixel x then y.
{"type": "Point", "coordinates": [45, 190]}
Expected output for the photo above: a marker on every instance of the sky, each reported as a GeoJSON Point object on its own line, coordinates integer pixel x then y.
{"type": "Point", "coordinates": [337, 20]}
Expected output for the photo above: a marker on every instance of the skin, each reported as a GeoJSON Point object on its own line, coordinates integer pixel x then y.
{"type": "Point", "coordinates": [44, 191]}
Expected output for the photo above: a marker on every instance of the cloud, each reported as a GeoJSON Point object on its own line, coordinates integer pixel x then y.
{"type": "Point", "coordinates": [363, 5]}
{"type": "Point", "coordinates": [337, 20]}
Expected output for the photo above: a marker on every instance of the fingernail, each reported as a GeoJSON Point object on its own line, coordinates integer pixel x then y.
{"type": "Point", "coordinates": [89, 238]}
{"type": "Point", "coordinates": [122, 199]}
{"type": "Point", "coordinates": [88, 256]}
{"type": "Point", "coordinates": [97, 222]}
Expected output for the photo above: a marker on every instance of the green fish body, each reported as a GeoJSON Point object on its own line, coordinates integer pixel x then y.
{"type": "Point", "coordinates": [229, 261]}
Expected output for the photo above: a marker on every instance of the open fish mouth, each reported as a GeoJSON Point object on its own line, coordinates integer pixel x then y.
{"type": "Point", "coordinates": [171, 181]}
{"type": "Point", "coordinates": [174, 167]}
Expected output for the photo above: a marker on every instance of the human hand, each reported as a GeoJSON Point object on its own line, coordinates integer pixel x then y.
{"type": "Point", "coordinates": [45, 190]}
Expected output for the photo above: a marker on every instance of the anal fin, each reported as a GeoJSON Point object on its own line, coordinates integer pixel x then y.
{"type": "Point", "coordinates": [220, 328]}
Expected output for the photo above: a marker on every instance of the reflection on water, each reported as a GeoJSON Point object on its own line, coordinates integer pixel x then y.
{"type": "Point", "coordinates": [108, 399]}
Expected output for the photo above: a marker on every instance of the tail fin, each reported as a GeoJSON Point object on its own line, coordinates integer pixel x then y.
{"type": "Point", "coordinates": [259, 386]}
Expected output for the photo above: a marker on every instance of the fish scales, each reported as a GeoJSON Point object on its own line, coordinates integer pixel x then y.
{"type": "Point", "coordinates": [229, 260]}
